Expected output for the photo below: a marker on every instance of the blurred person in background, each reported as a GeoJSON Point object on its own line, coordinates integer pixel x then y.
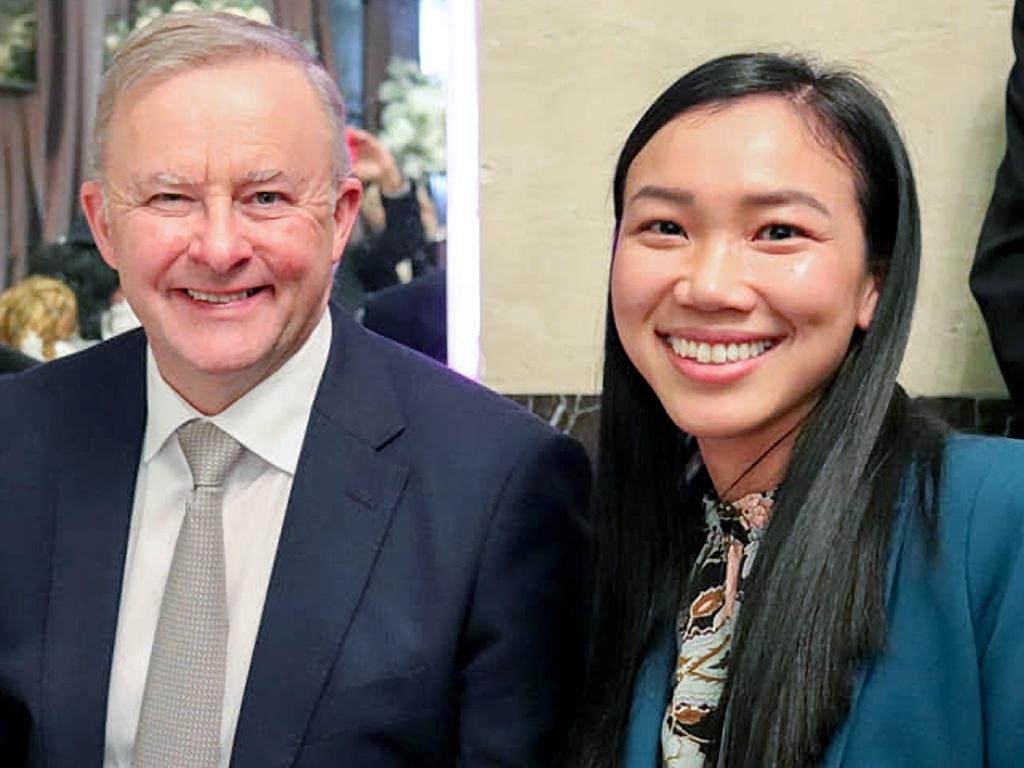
{"type": "Point", "coordinates": [390, 244]}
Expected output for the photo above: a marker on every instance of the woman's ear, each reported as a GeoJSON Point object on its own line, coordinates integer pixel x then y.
{"type": "Point", "coordinates": [868, 300]}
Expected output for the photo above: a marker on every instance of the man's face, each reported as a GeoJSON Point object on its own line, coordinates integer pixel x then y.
{"type": "Point", "coordinates": [221, 213]}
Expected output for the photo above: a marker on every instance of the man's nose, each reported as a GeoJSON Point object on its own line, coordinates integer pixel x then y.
{"type": "Point", "coordinates": [715, 278]}
{"type": "Point", "coordinates": [222, 244]}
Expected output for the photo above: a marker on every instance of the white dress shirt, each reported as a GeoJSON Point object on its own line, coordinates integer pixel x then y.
{"type": "Point", "coordinates": [270, 422]}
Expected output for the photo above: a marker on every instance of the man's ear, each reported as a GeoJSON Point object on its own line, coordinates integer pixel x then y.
{"type": "Point", "coordinates": [94, 206]}
{"type": "Point", "coordinates": [868, 300]}
{"type": "Point", "coordinates": [346, 208]}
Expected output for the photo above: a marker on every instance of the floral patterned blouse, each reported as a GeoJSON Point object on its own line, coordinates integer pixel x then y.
{"type": "Point", "coordinates": [693, 721]}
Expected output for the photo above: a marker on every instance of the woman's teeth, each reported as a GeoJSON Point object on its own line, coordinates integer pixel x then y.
{"type": "Point", "coordinates": [717, 354]}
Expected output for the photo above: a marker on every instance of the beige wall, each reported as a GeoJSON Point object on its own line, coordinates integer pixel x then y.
{"type": "Point", "coordinates": [563, 81]}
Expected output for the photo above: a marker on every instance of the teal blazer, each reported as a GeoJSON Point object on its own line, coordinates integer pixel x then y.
{"type": "Point", "coordinates": [949, 687]}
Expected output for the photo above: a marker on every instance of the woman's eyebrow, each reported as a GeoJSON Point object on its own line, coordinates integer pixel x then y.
{"type": "Point", "coordinates": [668, 194]}
{"type": "Point", "coordinates": [776, 197]}
{"type": "Point", "coordinates": [784, 197]}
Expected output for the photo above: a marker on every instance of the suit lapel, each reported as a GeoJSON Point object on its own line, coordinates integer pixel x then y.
{"type": "Point", "coordinates": [105, 418]}
{"type": "Point", "coordinates": [338, 514]}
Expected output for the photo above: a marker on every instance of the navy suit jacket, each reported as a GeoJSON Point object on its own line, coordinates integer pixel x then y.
{"type": "Point", "coordinates": [949, 687]}
{"type": "Point", "coordinates": [997, 276]}
{"type": "Point", "coordinates": [427, 604]}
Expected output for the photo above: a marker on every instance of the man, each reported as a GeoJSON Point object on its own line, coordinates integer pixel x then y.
{"type": "Point", "coordinates": [413, 314]}
{"type": "Point", "coordinates": [997, 276]}
{"type": "Point", "coordinates": [257, 534]}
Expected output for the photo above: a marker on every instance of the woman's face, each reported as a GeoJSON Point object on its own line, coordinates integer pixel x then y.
{"type": "Point", "coordinates": [740, 272]}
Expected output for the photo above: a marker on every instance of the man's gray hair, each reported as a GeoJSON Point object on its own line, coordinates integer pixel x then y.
{"type": "Point", "coordinates": [176, 42]}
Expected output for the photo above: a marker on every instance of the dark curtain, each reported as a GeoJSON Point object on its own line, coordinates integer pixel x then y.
{"type": "Point", "coordinates": [310, 20]}
{"type": "Point", "coordinates": [44, 133]}
{"type": "Point", "coordinates": [391, 28]}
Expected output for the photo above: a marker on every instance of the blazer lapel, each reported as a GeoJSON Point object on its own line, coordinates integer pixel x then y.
{"type": "Point", "coordinates": [836, 749]}
{"type": "Point", "coordinates": [651, 692]}
{"type": "Point", "coordinates": [338, 514]}
{"type": "Point", "coordinates": [95, 490]}
{"type": "Point", "coordinates": [650, 696]}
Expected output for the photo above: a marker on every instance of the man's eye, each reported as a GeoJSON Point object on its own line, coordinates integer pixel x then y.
{"type": "Point", "coordinates": [664, 227]}
{"type": "Point", "coordinates": [779, 232]}
{"type": "Point", "coordinates": [165, 198]}
{"type": "Point", "coordinates": [266, 198]}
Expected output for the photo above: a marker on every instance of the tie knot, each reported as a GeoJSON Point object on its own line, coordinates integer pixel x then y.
{"type": "Point", "coordinates": [209, 451]}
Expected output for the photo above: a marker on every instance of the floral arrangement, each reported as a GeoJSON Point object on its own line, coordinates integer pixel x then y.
{"type": "Point", "coordinates": [412, 121]}
{"type": "Point", "coordinates": [18, 43]}
{"type": "Point", "coordinates": [118, 29]}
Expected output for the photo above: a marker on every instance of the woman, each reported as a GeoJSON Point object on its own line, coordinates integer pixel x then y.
{"type": "Point", "coordinates": [795, 567]}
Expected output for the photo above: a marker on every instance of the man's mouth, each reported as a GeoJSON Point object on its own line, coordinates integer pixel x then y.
{"type": "Point", "coordinates": [719, 353]}
{"type": "Point", "coordinates": [222, 298]}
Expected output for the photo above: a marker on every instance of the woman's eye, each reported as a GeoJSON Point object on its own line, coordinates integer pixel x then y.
{"type": "Point", "coordinates": [779, 232]}
{"type": "Point", "coordinates": [663, 227]}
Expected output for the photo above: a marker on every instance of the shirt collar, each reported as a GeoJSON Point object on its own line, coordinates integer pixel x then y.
{"type": "Point", "coordinates": [269, 420]}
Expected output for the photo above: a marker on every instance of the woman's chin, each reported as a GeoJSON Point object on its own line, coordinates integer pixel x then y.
{"type": "Point", "coordinates": [717, 421]}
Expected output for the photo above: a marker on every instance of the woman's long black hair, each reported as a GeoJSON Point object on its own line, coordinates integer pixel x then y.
{"type": "Point", "coordinates": [814, 608]}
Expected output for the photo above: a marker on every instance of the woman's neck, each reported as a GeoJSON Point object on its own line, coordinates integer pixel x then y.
{"type": "Point", "coordinates": [752, 462]}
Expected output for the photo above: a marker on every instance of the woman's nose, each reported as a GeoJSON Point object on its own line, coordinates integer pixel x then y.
{"type": "Point", "coordinates": [715, 278]}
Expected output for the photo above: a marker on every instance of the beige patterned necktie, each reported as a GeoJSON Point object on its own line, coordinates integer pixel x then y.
{"type": "Point", "coordinates": [179, 724]}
